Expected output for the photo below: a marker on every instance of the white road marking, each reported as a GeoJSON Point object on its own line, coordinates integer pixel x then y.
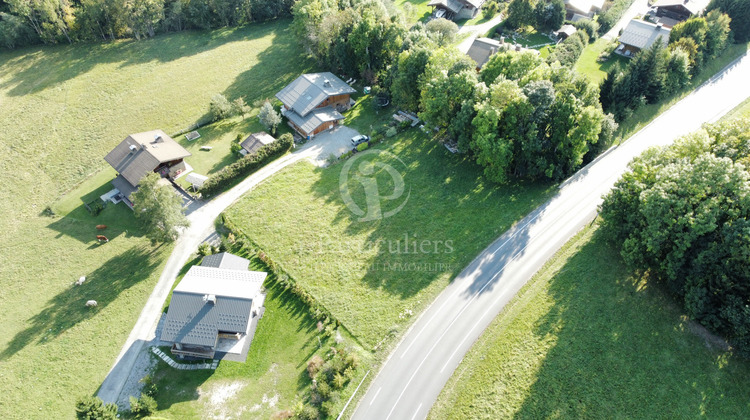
{"type": "Point", "coordinates": [415, 413]}
{"type": "Point", "coordinates": [376, 395]}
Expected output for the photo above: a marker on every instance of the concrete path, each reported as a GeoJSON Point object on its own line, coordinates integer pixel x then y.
{"type": "Point", "coordinates": [410, 381]}
{"type": "Point", "coordinates": [201, 229]}
{"type": "Point", "coordinates": [475, 31]}
{"type": "Point", "coordinates": [639, 7]}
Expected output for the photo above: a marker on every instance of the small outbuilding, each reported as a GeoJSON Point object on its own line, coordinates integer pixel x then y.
{"type": "Point", "coordinates": [565, 31]}
{"type": "Point", "coordinates": [196, 180]}
{"type": "Point", "coordinates": [255, 141]}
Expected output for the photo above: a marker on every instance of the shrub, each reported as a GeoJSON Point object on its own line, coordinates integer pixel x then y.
{"type": "Point", "coordinates": [404, 125]}
{"type": "Point", "coordinates": [308, 412]}
{"type": "Point", "coordinates": [219, 107]}
{"type": "Point", "coordinates": [149, 387]}
{"type": "Point", "coordinates": [90, 407]}
{"type": "Point", "coordinates": [391, 132]}
{"type": "Point", "coordinates": [314, 365]}
{"type": "Point", "coordinates": [490, 9]}
{"type": "Point", "coordinates": [236, 146]}
{"type": "Point", "coordinates": [247, 165]}
{"type": "Point", "coordinates": [95, 207]}
{"type": "Point", "coordinates": [205, 249]}
{"type": "Point", "coordinates": [143, 406]}
{"type": "Point", "coordinates": [589, 26]}
{"type": "Point", "coordinates": [568, 51]}
{"type": "Point", "coordinates": [362, 146]}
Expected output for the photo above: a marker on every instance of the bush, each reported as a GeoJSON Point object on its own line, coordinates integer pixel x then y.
{"type": "Point", "coordinates": [219, 108]}
{"type": "Point", "coordinates": [90, 407]}
{"type": "Point", "coordinates": [404, 125]}
{"type": "Point", "coordinates": [149, 387]}
{"type": "Point", "coordinates": [609, 18]}
{"type": "Point", "coordinates": [568, 51]}
{"type": "Point", "coordinates": [246, 165]}
{"type": "Point", "coordinates": [308, 412]}
{"type": "Point", "coordinates": [589, 26]}
{"type": "Point", "coordinates": [236, 146]}
{"type": "Point", "coordinates": [362, 146]}
{"type": "Point", "coordinates": [490, 9]}
{"type": "Point", "coordinates": [143, 406]}
{"type": "Point", "coordinates": [205, 249]}
{"type": "Point", "coordinates": [314, 365]}
{"type": "Point", "coordinates": [391, 132]}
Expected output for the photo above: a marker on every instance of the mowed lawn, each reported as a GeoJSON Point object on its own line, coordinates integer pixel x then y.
{"type": "Point", "coordinates": [63, 109]}
{"type": "Point", "coordinates": [585, 339]}
{"type": "Point", "coordinates": [274, 377]}
{"type": "Point", "coordinates": [589, 65]}
{"type": "Point", "coordinates": [373, 275]}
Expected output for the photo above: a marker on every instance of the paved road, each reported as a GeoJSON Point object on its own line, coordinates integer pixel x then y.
{"type": "Point", "coordinates": [415, 373]}
{"type": "Point", "coordinates": [639, 7]}
{"type": "Point", "coordinates": [202, 228]}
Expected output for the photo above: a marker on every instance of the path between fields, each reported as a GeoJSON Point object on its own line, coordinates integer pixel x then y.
{"type": "Point", "coordinates": [202, 228]}
{"type": "Point", "coordinates": [411, 379]}
{"type": "Point", "coordinates": [475, 31]}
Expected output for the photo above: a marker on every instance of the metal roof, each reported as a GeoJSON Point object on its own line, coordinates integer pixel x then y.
{"type": "Point", "coordinates": [310, 90]}
{"type": "Point", "coordinates": [225, 260]}
{"type": "Point", "coordinates": [585, 6]}
{"type": "Point", "coordinates": [209, 300]}
{"type": "Point", "coordinates": [123, 186]}
{"type": "Point", "coordinates": [481, 50]}
{"type": "Point", "coordinates": [255, 141]}
{"type": "Point", "coordinates": [314, 119]}
{"type": "Point", "coordinates": [693, 6]}
{"type": "Point", "coordinates": [641, 34]}
{"type": "Point", "coordinates": [454, 6]}
{"type": "Point", "coordinates": [149, 149]}
{"type": "Point", "coordinates": [196, 179]}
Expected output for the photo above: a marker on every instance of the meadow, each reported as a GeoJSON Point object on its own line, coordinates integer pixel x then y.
{"type": "Point", "coordinates": [64, 108]}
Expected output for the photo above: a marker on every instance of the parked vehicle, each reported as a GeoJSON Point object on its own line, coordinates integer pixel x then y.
{"type": "Point", "coordinates": [356, 140]}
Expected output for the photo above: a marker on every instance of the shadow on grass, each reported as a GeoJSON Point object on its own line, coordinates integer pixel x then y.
{"type": "Point", "coordinates": [621, 350]}
{"type": "Point", "coordinates": [104, 285]}
{"type": "Point", "coordinates": [60, 63]}
{"type": "Point", "coordinates": [450, 216]}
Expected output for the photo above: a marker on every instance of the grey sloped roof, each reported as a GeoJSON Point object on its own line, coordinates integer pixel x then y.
{"type": "Point", "coordinates": [481, 50]}
{"type": "Point", "coordinates": [309, 90]}
{"type": "Point", "coordinates": [585, 6]}
{"type": "Point", "coordinates": [255, 141]}
{"type": "Point", "coordinates": [641, 34]}
{"type": "Point", "coordinates": [693, 6]}
{"type": "Point", "coordinates": [123, 186]}
{"type": "Point", "coordinates": [152, 148]}
{"type": "Point", "coordinates": [193, 318]}
{"type": "Point", "coordinates": [454, 6]}
{"type": "Point", "coordinates": [314, 119]}
{"type": "Point", "coordinates": [225, 260]}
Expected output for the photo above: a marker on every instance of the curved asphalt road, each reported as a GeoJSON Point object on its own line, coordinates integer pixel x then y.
{"type": "Point", "coordinates": [414, 374]}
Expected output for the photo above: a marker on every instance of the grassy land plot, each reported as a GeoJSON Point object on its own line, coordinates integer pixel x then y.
{"type": "Point", "coordinates": [63, 108]}
{"type": "Point", "coordinates": [589, 66]}
{"type": "Point", "coordinates": [584, 339]}
{"type": "Point", "coordinates": [368, 273]}
{"type": "Point", "coordinates": [742, 111]}
{"type": "Point", "coordinates": [273, 378]}
{"type": "Point", "coordinates": [415, 10]}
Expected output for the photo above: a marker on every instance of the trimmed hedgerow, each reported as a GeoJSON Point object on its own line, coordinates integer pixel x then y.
{"type": "Point", "coordinates": [246, 165]}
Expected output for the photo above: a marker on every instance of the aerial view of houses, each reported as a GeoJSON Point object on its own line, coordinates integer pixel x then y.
{"type": "Point", "coordinates": [375, 209]}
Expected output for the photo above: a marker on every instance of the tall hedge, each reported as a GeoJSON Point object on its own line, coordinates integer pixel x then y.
{"type": "Point", "coordinates": [246, 165]}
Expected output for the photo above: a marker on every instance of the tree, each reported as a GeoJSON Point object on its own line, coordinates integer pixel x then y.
{"type": "Point", "coordinates": [93, 408]}
{"type": "Point", "coordinates": [443, 97]}
{"type": "Point", "coordinates": [718, 32]}
{"type": "Point", "coordinates": [739, 12]}
{"type": "Point", "coordinates": [143, 16]}
{"type": "Point", "coordinates": [442, 31]}
{"type": "Point", "coordinates": [269, 117]}
{"type": "Point", "coordinates": [159, 209]}
{"type": "Point", "coordinates": [520, 13]}
{"type": "Point", "coordinates": [406, 74]}
{"type": "Point", "coordinates": [144, 406]}
{"type": "Point", "coordinates": [239, 107]}
{"type": "Point", "coordinates": [219, 108]}
{"type": "Point", "coordinates": [549, 15]}
{"type": "Point", "coordinates": [510, 64]}
{"type": "Point", "coordinates": [490, 9]}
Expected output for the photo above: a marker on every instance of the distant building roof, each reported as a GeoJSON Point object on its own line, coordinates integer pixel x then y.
{"type": "Point", "coordinates": [309, 90]}
{"type": "Point", "coordinates": [209, 300]}
{"type": "Point", "coordinates": [255, 141]}
{"type": "Point", "coordinates": [226, 261]}
{"type": "Point", "coordinates": [454, 6]}
{"type": "Point", "coordinates": [695, 7]}
{"type": "Point", "coordinates": [585, 6]}
{"type": "Point", "coordinates": [642, 34]}
{"type": "Point", "coordinates": [141, 153]}
{"type": "Point", "coordinates": [481, 50]}
{"type": "Point", "coordinates": [567, 30]}
{"type": "Point", "coordinates": [314, 119]}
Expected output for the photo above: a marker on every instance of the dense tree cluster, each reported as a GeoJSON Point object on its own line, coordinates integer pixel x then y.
{"type": "Point", "coordinates": [659, 72]}
{"type": "Point", "coordinates": [739, 12]}
{"type": "Point", "coordinates": [354, 37]}
{"type": "Point", "coordinates": [568, 51]}
{"type": "Point", "coordinates": [682, 215]}
{"type": "Point", "coordinates": [544, 15]}
{"type": "Point", "coordinates": [27, 22]}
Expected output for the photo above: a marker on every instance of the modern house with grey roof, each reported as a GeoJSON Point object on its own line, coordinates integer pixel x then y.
{"type": "Point", "coordinates": [142, 153]}
{"type": "Point", "coordinates": [313, 102]}
{"type": "Point", "coordinates": [254, 142]}
{"type": "Point", "coordinates": [456, 9]}
{"type": "Point", "coordinates": [214, 309]}
{"type": "Point", "coordinates": [640, 35]}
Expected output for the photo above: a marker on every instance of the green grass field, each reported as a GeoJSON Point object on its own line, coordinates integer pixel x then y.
{"type": "Point", "coordinates": [274, 377]}
{"type": "Point", "coordinates": [589, 66]}
{"type": "Point", "coordinates": [584, 339]}
{"type": "Point", "coordinates": [64, 108]}
{"type": "Point", "coordinates": [416, 11]}
{"type": "Point", "coordinates": [360, 270]}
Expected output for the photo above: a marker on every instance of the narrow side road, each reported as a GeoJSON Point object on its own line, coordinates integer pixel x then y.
{"type": "Point", "coordinates": [201, 228]}
{"type": "Point", "coordinates": [411, 379]}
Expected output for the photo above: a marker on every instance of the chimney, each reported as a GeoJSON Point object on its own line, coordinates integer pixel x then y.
{"type": "Point", "coordinates": [209, 299]}
{"type": "Point", "coordinates": [327, 83]}
{"type": "Point", "coordinates": [659, 25]}
{"type": "Point", "coordinates": [133, 148]}
{"type": "Point", "coordinates": [157, 138]}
